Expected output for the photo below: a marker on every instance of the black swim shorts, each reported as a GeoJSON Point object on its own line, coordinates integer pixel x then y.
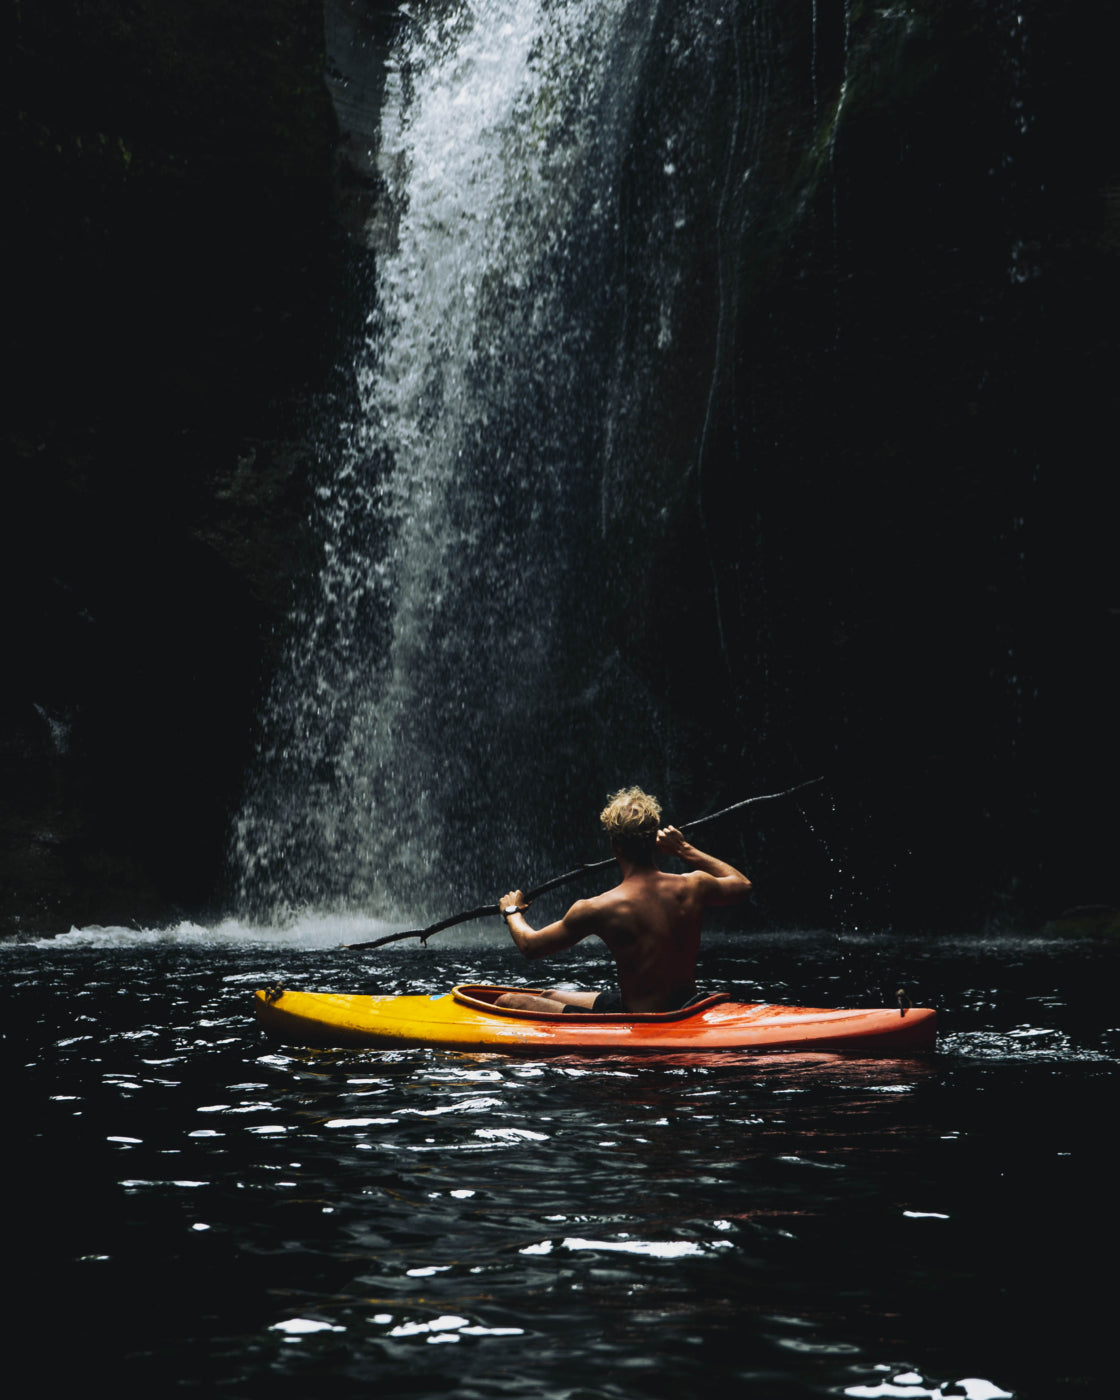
{"type": "Point", "coordinates": [605, 1001]}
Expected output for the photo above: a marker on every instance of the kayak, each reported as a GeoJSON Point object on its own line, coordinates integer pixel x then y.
{"type": "Point", "coordinates": [467, 1019]}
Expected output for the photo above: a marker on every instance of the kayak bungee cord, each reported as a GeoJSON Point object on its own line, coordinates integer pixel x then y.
{"type": "Point", "coordinates": [425, 933]}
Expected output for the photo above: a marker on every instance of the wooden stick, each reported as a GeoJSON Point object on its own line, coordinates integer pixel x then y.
{"type": "Point", "coordinates": [425, 933]}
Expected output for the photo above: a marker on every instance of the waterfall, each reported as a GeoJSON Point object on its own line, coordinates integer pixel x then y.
{"type": "Point", "coordinates": [571, 186]}
{"type": "Point", "coordinates": [448, 679]}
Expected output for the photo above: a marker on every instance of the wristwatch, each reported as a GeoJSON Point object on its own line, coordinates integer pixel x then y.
{"type": "Point", "coordinates": [509, 910]}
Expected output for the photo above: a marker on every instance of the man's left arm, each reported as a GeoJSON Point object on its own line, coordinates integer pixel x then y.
{"type": "Point", "coordinates": [577, 924]}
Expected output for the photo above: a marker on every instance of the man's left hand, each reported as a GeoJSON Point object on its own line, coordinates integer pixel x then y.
{"type": "Point", "coordinates": [670, 841]}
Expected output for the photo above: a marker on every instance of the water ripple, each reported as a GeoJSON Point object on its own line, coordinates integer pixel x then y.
{"type": "Point", "coordinates": [665, 1222]}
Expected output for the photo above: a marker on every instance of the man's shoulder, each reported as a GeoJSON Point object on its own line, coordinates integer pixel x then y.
{"type": "Point", "coordinates": [596, 905]}
{"type": "Point", "coordinates": [600, 913]}
{"type": "Point", "coordinates": [584, 909]}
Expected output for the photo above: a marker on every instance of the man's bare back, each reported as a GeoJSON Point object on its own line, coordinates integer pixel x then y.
{"type": "Point", "coordinates": [650, 922]}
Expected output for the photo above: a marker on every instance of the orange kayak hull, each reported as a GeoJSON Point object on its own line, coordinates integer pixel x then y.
{"type": "Point", "coordinates": [465, 1019]}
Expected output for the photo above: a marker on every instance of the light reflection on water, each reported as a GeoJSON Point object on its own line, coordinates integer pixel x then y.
{"type": "Point", "coordinates": [244, 1216]}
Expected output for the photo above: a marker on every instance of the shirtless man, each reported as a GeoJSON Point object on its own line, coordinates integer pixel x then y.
{"type": "Point", "coordinates": [650, 921]}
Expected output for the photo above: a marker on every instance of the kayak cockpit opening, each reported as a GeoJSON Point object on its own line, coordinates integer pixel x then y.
{"type": "Point", "coordinates": [483, 998]}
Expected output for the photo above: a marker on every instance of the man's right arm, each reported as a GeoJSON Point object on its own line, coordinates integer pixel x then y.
{"type": "Point", "coordinates": [578, 923]}
{"type": "Point", "coordinates": [724, 885]}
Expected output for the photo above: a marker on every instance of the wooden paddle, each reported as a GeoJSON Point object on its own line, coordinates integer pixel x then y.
{"type": "Point", "coordinates": [425, 933]}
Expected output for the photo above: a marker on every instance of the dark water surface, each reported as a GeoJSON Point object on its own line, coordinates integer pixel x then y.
{"type": "Point", "coordinates": [213, 1213]}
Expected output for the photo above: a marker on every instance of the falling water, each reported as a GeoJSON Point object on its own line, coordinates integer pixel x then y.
{"type": "Point", "coordinates": [448, 670]}
{"type": "Point", "coordinates": [570, 190]}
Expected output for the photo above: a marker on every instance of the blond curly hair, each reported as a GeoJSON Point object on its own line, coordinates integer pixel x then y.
{"type": "Point", "coordinates": [631, 819]}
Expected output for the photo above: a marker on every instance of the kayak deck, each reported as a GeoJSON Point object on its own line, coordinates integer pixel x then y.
{"type": "Point", "coordinates": [466, 1019]}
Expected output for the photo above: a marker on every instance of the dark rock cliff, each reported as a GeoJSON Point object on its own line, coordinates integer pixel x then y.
{"type": "Point", "coordinates": [178, 275]}
{"type": "Point", "coordinates": [890, 558]}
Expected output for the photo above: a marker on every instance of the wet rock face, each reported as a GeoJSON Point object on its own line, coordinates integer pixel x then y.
{"type": "Point", "coordinates": [869, 503]}
{"type": "Point", "coordinates": [172, 177]}
{"type": "Point", "coordinates": [881, 555]}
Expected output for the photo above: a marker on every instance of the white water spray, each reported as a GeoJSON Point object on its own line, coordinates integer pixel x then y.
{"type": "Point", "coordinates": [444, 669]}
{"type": "Point", "coordinates": [570, 201]}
